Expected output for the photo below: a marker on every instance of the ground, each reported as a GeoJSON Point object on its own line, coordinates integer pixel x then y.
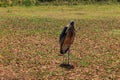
{"type": "Point", "coordinates": [29, 42]}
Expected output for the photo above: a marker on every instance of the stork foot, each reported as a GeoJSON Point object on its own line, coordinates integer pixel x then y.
{"type": "Point", "coordinates": [67, 66]}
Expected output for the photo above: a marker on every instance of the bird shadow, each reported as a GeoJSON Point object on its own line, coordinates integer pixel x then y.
{"type": "Point", "coordinates": [66, 66]}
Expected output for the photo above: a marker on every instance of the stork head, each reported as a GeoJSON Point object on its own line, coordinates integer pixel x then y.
{"type": "Point", "coordinates": [72, 23]}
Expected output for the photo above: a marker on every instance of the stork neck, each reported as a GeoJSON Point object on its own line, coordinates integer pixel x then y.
{"type": "Point", "coordinates": [72, 27]}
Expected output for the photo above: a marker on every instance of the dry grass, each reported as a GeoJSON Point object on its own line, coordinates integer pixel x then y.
{"type": "Point", "coordinates": [29, 43]}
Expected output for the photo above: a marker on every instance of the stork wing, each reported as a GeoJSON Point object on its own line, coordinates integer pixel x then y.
{"type": "Point", "coordinates": [62, 35]}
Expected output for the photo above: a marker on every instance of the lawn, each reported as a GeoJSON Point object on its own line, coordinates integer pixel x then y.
{"type": "Point", "coordinates": [29, 42]}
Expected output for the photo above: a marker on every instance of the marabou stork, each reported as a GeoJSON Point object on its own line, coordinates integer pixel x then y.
{"type": "Point", "coordinates": [66, 39]}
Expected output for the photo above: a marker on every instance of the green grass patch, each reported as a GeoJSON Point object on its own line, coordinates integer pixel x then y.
{"type": "Point", "coordinates": [114, 32]}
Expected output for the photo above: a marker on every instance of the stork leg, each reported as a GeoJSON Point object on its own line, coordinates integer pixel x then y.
{"type": "Point", "coordinates": [68, 56]}
{"type": "Point", "coordinates": [63, 58]}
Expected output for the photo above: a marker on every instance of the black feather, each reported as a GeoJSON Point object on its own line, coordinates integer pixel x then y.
{"type": "Point", "coordinates": [62, 37]}
{"type": "Point", "coordinates": [63, 33]}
